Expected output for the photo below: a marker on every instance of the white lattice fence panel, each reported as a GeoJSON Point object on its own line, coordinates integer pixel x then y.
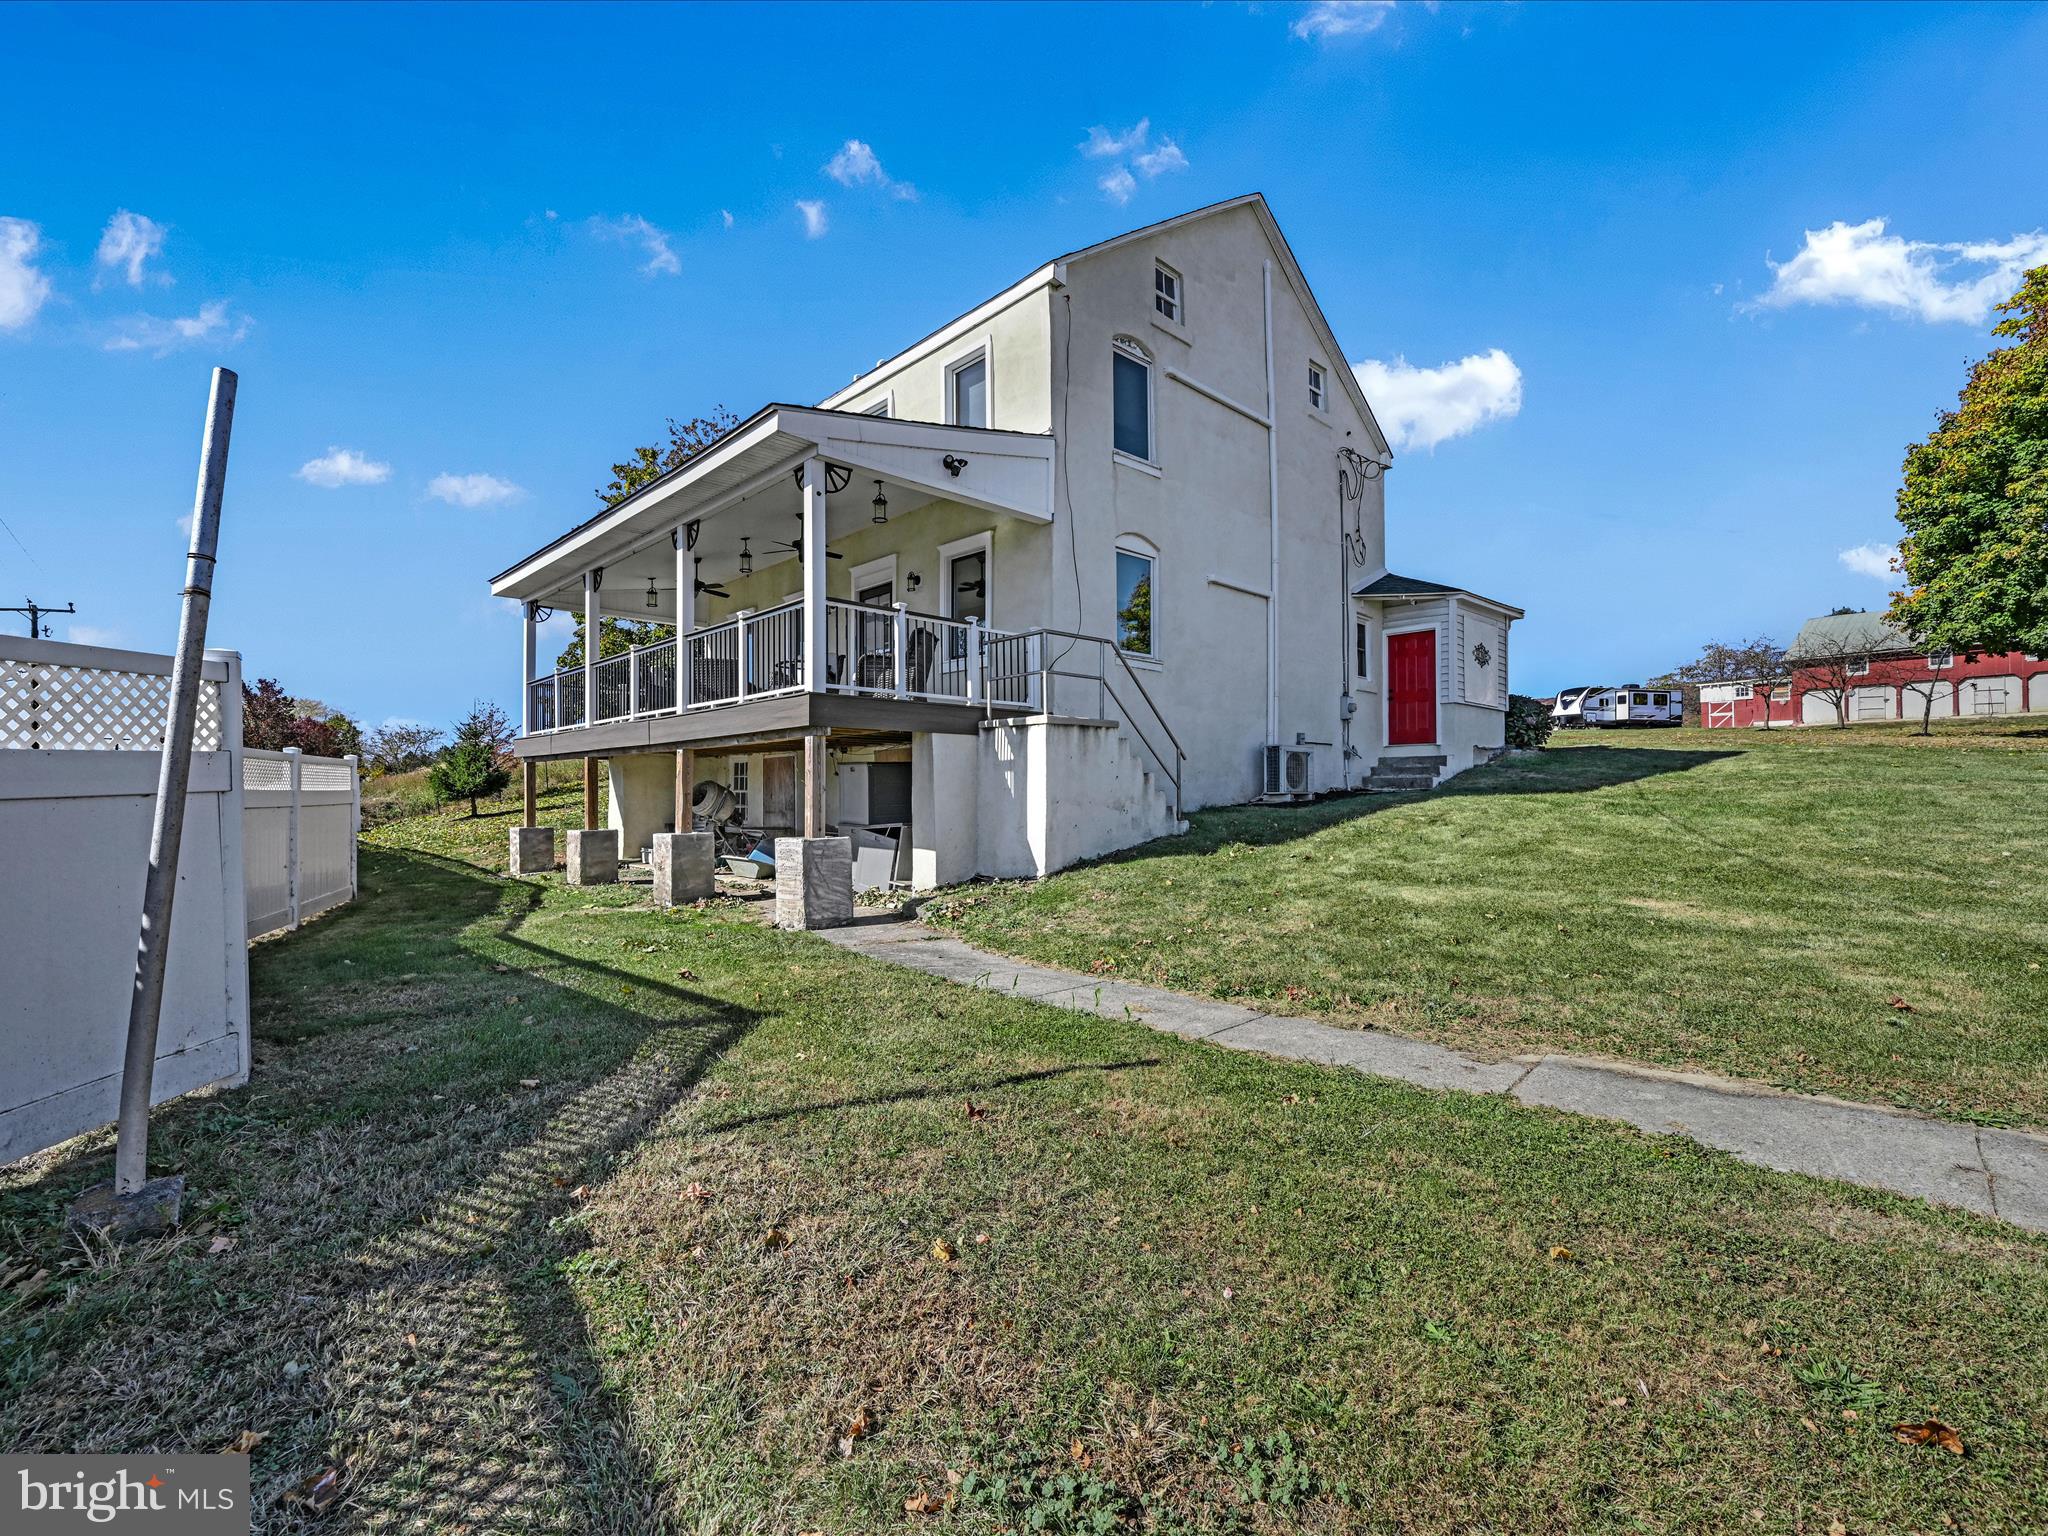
{"type": "Point", "coordinates": [53, 706]}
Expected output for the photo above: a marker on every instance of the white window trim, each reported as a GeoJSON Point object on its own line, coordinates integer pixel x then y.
{"type": "Point", "coordinates": [1940, 661]}
{"type": "Point", "coordinates": [984, 352]}
{"type": "Point", "coordinates": [948, 553]}
{"type": "Point", "coordinates": [1135, 350]}
{"type": "Point", "coordinates": [1137, 544]}
{"type": "Point", "coordinates": [886, 406]}
{"type": "Point", "coordinates": [1860, 668]}
{"type": "Point", "coordinates": [1744, 691]}
{"type": "Point", "coordinates": [873, 573]}
{"type": "Point", "coordinates": [1179, 318]}
{"type": "Point", "coordinates": [1318, 371]}
{"type": "Point", "coordinates": [1360, 616]}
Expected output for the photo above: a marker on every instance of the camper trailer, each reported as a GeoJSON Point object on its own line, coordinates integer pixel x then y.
{"type": "Point", "coordinates": [1631, 704]}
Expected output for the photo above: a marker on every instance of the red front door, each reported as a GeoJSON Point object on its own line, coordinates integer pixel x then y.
{"type": "Point", "coordinates": [1411, 688]}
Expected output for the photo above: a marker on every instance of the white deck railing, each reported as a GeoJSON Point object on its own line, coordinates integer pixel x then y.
{"type": "Point", "coordinates": [881, 652]}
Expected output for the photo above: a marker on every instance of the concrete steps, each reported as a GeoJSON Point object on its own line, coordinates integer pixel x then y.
{"type": "Point", "coordinates": [1404, 774]}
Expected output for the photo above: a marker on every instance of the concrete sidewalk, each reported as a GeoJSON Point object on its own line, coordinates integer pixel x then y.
{"type": "Point", "coordinates": [1994, 1173]}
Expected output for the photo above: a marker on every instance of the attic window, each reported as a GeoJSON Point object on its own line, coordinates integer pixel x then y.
{"type": "Point", "coordinates": [1166, 293]}
{"type": "Point", "coordinates": [1318, 387]}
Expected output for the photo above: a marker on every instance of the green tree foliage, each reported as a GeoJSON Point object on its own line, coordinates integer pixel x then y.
{"type": "Point", "coordinates": [686, 439]}
{"type": "Point", "coordinates": [475, 765]}
{"type": "Point", "coordinates": [1975, 500]}
{"type": "Point", "coordinates": [614, 638]}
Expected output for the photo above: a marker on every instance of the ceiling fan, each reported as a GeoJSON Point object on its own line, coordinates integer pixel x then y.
{"type": "Point", "coordinates": [709, 588]}
{"type": "Point", "coordinates": [796, 545]}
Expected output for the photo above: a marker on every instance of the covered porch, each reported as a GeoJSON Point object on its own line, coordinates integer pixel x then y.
{"type": "Point", "coordinates": [765, 510]}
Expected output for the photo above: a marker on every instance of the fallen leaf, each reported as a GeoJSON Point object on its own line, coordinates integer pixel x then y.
{"type": "Point", "coordinates": [220, 1244]}
{"type": "Point", "coordinates": [529, 1082]}
{"type": "Point", "coordinates": [976, 1111]}
{"type": "Point", "coordinates": [980, 1238]}
{"type": "Point", "coordinates": [580, 1192]}
{"type": "Point", "coordinates": [1836, 1527]}
{"type": "Point", "coordinates": [698, 1193]}
{"type": "Point", "coordinates": [857, 1430]}
{"type": "Point", "coordinates": [1617, 1402]}
{"type": "Point", "coordinates": [319, 1491]}
{"type": "Point", "coordinates": [245, 1442]}
{"type": "Point", "coordinates": [1559, 1252]}
{"type": "Point", "coordinates": [775, 1237]}
{"type": "Point", "coordinates": [1080, 1453]}
{"type": "Point", "coordinates": [501, 969]}
{"type": "Point", "coordinates": [1903, 1006]}
{"type": "Point", "coordinates": [687, 974]}
{"type": "Point", "coordinates": [1931, 1432]}
{"type": "Point", "coordinates": [944, 1251]}
{"type": "Point", "coordinates": [923, 1503]}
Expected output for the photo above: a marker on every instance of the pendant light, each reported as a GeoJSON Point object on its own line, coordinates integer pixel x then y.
{"type": "Point", "coordinates": [881, 504]}
{"type": "Point", "coordinates": [746, 559]}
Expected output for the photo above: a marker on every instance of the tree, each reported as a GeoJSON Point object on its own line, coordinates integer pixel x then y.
{"type": "Point", "coordinates": [1833, 665]}
{"type": "Point", "coordinates": [1927, 690]}
{"type": "Point", "coordinates": [686, 439]}
{"type": "Point", "coordinates": [401, 745]}
{"type": "Point", "coordinates": [474, 766]}
{"type": "Point", "coordinates": [1974, 502]}
{"type": "Point", "coordinates": [273, 720]}
{"type": "Point", "coordinates": [1722, 662]}
{"type": "Point", "coordinates": [614, 638]}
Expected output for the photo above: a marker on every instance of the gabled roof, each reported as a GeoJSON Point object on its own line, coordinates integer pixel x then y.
{"type": "Point", "coordinates": [1841, 634]}
{"type": "Point", "coordinates": [1390, 585]}
{"type": "Point", "coordinates": [1053, 271]}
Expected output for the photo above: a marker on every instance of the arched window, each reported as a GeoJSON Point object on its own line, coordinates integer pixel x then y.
{"type": "Point", "coordinates": [1131, 396]}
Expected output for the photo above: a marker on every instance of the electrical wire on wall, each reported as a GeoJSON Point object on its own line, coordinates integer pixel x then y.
{"type": "Point", "coordinates": [1066, 488]}
{"type": "Point", "coordinates": [1354, 471]}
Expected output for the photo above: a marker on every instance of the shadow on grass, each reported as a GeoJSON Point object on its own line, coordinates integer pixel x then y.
{"type": "Point", "coordinates": [1549, 773]}
{"type": "Point", "coordinates": [398, 1302]}
{"type": "Point", "coordinates": [930, 1091]}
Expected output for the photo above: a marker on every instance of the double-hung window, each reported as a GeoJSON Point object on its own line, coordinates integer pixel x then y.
{"type": "Point", "coordinates": [1318, 388]}
{"type": "Point", "coordinates": [1131, 388]}
{"type": "Point", "coordinates": [1361, 644]}
{"type": "Point", "coordinates": [1166, 294]}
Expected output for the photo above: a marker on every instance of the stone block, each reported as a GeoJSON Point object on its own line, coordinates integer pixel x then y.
{"type": "Point", "coordinates": [813, 882]}
{"type": "Point", "coordinates": [685, 868]}
{"type": "Point", "coordinates": [533, 850]}
{"type": "Point", "coordinates": [593, 857]}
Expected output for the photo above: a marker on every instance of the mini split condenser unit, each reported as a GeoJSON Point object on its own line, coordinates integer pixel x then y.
{"type": "Point", "coordinates": [1288, 775]}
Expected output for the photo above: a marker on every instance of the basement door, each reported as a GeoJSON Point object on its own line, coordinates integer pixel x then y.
{"type": "Point", "coordinates": [1411, 688]}
{"type": "Point", "coordinates": [778, 793]}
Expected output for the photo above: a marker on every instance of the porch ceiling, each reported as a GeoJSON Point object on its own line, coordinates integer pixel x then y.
{"type": "Point", "coordinates": [742, 485]}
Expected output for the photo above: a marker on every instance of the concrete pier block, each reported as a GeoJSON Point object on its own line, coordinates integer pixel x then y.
{"type": "Point", "coordinates": [813, 882]}
{"type": "Point", "coordinates": [593, 857]}
{"type": "Point", "coordinates": [685, 867]}
{"type": "Point", "coordinates": [533, 850]}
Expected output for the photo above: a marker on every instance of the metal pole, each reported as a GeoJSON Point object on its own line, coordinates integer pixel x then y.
{"type": "Point", "coordinates": [131, 1156]}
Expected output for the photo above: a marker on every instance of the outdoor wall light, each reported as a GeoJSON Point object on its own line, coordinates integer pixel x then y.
{"type": "Point", "coordinates": [913, 581]}
{"type": "Point", "coordinates": [746, 559]}
{"type": "Point", "coordinates": [881, 504]}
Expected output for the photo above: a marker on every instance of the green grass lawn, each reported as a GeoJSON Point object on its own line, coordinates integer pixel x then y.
{"type": "Point", "coordinates": [544, 1211]}
{"type": "Point", "coordinates": [1759, 905]}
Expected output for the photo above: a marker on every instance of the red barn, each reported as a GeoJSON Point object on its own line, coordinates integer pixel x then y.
{"type": "Point", "coordinates": [1855, 666]}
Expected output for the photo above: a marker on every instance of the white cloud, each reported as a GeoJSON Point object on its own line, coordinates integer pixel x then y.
{"type": "Point", "coordinates": [128, 244]}
{"type": "Point", "coordinates": [1157, 162]}
{"type": "Point", "coordinates": [472, 490]}
{"type": "Point", "coordinates": [815, 221]}
{"type": "Point", "coordinates": [1860, 264]}
{"type": "Point", "coordinates": [1421, 407]}
{"type": "Point", "coordinates": [94, 634]}
{"type": "Point", "coordinates": [1872, 560]}
{"type": "Point", "coordinates": [651, 238]}
{"type": "Point", "coordinates": [22, 287]}
{"type": "Point", "coordinates": [1118, 186]}
{"type": "Point", "coordinates": [856, 165]}
{"type": "Point", "coordinates": [1342, 18]}
{"type": "Point", "coordinates": [726, 215]}
{"type": "Point", "coordinates": [343, 466]}
{"type": "Point", "coordinates": [1102, 143]}
{"type": "Point", "coordinates": [153, 333]}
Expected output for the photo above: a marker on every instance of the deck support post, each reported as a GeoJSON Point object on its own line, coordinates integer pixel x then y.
{"type": "Point", "coordinates": [814, 785]}
{"type": "Point", "coordinates": [590, 793]}
{"type": "Point", "coordinates": [814, 575]}
{"type": "Point", "coordinates": [529, 773]}
{"type": "Point", "coordinates": [686, 773]}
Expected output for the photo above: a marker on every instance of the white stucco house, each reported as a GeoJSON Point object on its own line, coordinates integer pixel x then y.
{"type": "Point", "coordinates": [1107, 548]}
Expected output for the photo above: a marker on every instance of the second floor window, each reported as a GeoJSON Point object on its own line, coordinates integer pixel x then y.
{"type": "Point", "coordinates": [1132, 383]}
{"type": "Point", "coordinates": [1166, 293]}
{"type": "Point", "coordinates": [1860, 667]}
{"type": "Point", "coordinates": [1938, 661]}
{"type": "Point", "coordinates": [1744, 691]}
{"type": "Point", "coordinates": [970, 393]}
{"type": "Point", "coordinates": [1361, 639]}
{"type": "Point", "coordinates": [1318, 388]}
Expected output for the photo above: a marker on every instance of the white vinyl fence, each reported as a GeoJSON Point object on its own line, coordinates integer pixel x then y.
{"type": "Point", "coordinates": [300, 816]}
{"type": "Point", "coordinates": [81, 733]}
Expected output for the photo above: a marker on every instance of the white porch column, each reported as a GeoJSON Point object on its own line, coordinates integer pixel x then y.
{"type": "Point", "coordinates": [590, 627]}
{"type": "Point", "coordinates": [526, 656]}
{"type": "Point", "coordinates": [814, 575]}
{"type": "Point", "coordinates": [686, 618]}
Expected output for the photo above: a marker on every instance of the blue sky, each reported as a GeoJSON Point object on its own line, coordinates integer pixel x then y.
{"type": "Point", "coordinates": [484, 251]}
